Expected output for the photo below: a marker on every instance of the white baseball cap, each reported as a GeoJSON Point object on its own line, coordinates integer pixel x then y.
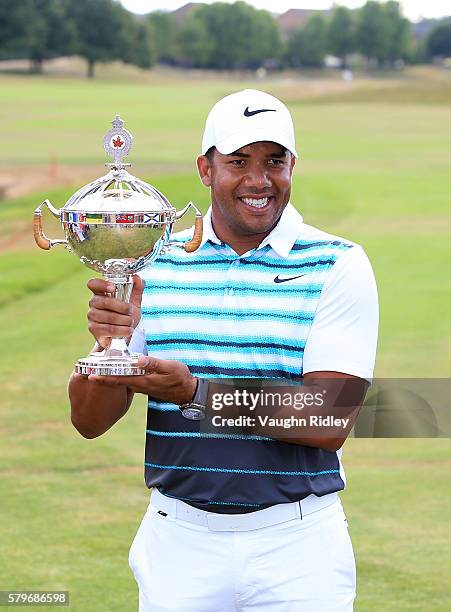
{"type": "Point", "coordinates": [248, 116]}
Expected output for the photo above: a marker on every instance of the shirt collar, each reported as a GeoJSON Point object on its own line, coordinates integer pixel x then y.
{"type": "Point", "coordinates": [208, 232]}
{"type": "Point", "coordinates": [284, 235]}
{"type": "Point", "coordinates": [281, 239]}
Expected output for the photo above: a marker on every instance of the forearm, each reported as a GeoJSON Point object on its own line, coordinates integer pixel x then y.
{"type": "Point", "coordinates": [96, 407]}
{"type": "Point", "coordinates": [319, 413]}
{"type": "Point", "coordinates": [303, 429]}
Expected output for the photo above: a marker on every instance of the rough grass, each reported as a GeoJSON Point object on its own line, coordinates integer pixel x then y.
{"type": "Point", "coordinates": [376, 172]}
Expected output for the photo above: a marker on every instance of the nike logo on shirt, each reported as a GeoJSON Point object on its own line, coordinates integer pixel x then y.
{"type": "Point", "coordinates": [284, 280]}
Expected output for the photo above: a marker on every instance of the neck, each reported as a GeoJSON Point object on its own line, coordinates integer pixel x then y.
{"type": "Point", "coordinates": [240, 244]}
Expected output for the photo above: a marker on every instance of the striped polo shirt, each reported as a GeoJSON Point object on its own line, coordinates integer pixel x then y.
{"type": "Point", "coordinates": [225, 316]}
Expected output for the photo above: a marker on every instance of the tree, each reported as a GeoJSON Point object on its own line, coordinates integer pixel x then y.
{"type": "Point", "coordinates": [341, 34]}
{"type": "Point", "coordinates": [36, 29]}
{"type": "Point", "coordinates": [164, 31]}
{"type": "Point", "coordinates": [240, 35]}
{"type": "Point", "coordinates": [52, 33]}
{"type": "Point", "coordinates": [142, 49]}
{"type": "Point", "coordinates": [14, 28]}
{"type": "Point", "coordinates": [195, 43]}
{"type": "Point", "coordinates": [136, 41]}
{"type": "Point", "coordinates": [397, 33]}
{"type": "Point", "coordinates": [371, 31]}
{"type": "Point", "coordinates": [307, 45]}
{"type": "Point", "coordinates": [100, 30]}
{"type": "Point", "coordinates": [439, 40]}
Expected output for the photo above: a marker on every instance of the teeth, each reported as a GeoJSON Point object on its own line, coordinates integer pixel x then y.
{"type": "Point", "coordinates": [256, 203]}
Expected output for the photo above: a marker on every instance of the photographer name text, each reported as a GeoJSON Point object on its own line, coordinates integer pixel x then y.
{"type": "Point", "coordinates": [285, 422]}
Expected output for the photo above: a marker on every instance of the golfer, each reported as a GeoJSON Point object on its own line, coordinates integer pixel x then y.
{"type": "Point", "coordinates": [247, 521]}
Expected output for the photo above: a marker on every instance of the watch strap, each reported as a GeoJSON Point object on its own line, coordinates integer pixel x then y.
{"type": "Point", "coordinates": [195, 409]}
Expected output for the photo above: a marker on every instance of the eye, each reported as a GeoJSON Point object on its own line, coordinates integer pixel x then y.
{"type": "Point", "coordinates": [237, 162]}
{"type": "Point", "coordinates": [275, 161]}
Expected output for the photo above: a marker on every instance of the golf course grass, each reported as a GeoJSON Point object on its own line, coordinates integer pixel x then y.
{"type": "Point", "coordinates": [374, 167]}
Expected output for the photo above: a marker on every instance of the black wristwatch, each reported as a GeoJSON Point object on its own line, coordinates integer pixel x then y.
{"type": "Point", "coordinates": [195, 409]}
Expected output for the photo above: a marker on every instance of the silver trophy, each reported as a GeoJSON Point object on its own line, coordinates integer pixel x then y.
{"type": "Point", "coordinates": [116, 225]}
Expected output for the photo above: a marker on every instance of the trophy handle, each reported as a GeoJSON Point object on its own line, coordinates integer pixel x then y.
{"type": "Point", "coordinates": [194, 243]}
{"type": "Point", "coordinates": [40, 238]}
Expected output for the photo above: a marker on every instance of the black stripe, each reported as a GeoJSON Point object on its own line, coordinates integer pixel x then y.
{"type": "Point", "coordinates": [257, 262]}
{"type": "Point", "coordinates": [293, 266]}
{"type": "Point", "coordinates": [225, 343]}
{"type": "Point", "coordinates": [301, 247]}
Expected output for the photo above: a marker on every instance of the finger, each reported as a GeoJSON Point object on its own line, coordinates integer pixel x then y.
{"type": "Point", "coordinates": [106, 317]}
{"type": "Point", "coordinates": [136, 383]}
{"type": "Point", "coordinates": [100, 286]}
{"type": "Point", "coordinates": [99, 330]}
{"type": "Point", "coordinates": [137, 291]}
{"type": "Point", "coordinates": [151, 364]}
{"type": "Point", "coordinates": [108, 381]}
{"type": "Point", "coordinates": [102, 302]}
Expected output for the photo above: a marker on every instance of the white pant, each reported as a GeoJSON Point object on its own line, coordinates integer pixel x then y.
{"type": "Point", "coordinates": [301, 565]}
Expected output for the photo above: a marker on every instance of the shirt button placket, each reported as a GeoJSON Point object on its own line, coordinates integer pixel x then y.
{"type": "Point", "coordinates": [229, 291]}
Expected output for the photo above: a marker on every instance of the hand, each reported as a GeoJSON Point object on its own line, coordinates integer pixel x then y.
{"type": "Point", "coordinates": [109, 317]}
{"type": "Point", "coordinates": [169, 381]}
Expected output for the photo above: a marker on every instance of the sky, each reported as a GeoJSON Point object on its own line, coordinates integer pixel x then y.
{"type": "Point", "coordinates": [412, 9]}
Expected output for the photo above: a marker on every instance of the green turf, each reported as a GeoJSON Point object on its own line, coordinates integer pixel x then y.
{"type": "Point", "coordinates": [371, 169]}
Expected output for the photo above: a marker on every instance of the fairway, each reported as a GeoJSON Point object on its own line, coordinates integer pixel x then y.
{"type": "Point", "coordinates": [374, 167]}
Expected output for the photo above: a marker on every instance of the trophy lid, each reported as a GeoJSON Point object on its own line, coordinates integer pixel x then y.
{"type": "Point", "coordinates": [118, 191]}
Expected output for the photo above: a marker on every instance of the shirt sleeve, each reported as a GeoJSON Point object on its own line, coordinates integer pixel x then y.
{"type": "Point", "coordinates": [343, 336]}
{"type": "Point", "coordinates": [137, 342]}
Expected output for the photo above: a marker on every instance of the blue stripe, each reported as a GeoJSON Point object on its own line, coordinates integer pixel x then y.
{"type": "Point", "coordinates": [222, 503]}
{"type": "Point", "coordinates": [198, 434]}
{"type": "Point", "coordinates": [163, 261]}
{"type": "Point", "coordinates": [292, 288]}
{"type": "Point", "coordinates": [163, 407]}
{"type": "Point", "coordinates": [237, 471]}
{"type": "Point", "coordinates": [193, 312]}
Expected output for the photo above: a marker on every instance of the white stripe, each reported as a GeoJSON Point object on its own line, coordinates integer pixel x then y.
{"type": "Point", "coordinates": [230, 327]}
{"type": "Point", "coordinates": [185, 276]}
{"type": "Point", "coordinates": [285, 304]}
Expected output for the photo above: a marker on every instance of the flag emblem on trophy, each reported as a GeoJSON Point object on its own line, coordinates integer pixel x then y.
{"type": "Point", "coordinates": [125, 218]}
{"type": "Point", "coordinates": [151, 218]}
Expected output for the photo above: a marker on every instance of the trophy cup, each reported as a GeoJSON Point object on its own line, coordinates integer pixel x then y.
{"type": "Point", "coordinates": [116, 225]}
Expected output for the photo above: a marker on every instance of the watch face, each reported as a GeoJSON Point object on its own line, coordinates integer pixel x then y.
{"type": "Point", "coordinates": [193, 414]}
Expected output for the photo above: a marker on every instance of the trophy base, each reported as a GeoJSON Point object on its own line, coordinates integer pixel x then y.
{"type": "Point", "coordinates": [109, 366]}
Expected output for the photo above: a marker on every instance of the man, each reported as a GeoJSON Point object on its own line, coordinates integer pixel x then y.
{"type": "Point", "coordinates": [250, 520]}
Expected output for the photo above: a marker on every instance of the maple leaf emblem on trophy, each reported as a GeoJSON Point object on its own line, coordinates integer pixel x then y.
{"type": "Point", "coordinates": [117, 142]}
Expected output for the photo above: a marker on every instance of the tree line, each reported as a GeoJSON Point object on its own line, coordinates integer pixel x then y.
{"type": "Point", "coordinates": [215, 36]}
{"type": "Point", "coordinates": [97, 30]}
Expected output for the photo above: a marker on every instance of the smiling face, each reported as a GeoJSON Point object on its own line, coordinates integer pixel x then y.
{"type": "Point", "coordinates": [249, 191]}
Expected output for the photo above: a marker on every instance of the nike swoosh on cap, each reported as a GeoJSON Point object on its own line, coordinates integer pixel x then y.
{"type": "Point", "coordinates": [284, 280]}
{"type": "Point", "coordinates": [249, 113]}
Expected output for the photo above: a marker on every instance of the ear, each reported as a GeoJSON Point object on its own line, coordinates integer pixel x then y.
{"type": "Point", "coordinates": [204, 169]}
{"type": "Point", "coordinates": [293, 161]}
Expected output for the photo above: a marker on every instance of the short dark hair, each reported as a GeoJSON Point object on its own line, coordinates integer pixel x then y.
{"type": "Point", "coordinates": [210, 154]}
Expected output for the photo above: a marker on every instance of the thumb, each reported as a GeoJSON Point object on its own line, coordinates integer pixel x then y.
{"type": "Point", "coordinates": [150, 364]}
{"type": "Point", "coordinates": [137, 291]}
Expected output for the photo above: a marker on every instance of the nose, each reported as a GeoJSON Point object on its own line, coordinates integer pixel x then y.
{"type": "Point", "coordinates": [257, 177]}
